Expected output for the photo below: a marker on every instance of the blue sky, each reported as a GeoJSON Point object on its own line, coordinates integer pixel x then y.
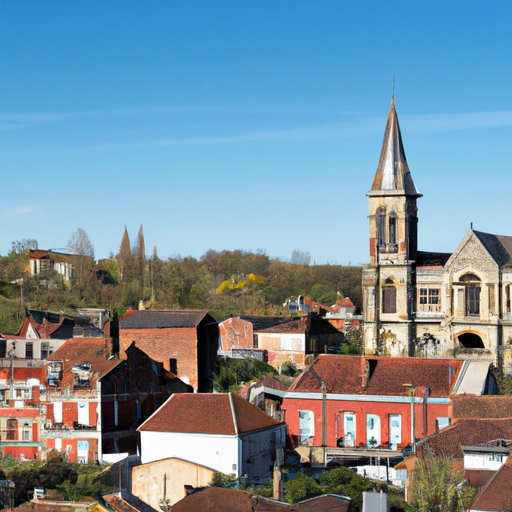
{"type": "Point", "coordinates": [253, 125]}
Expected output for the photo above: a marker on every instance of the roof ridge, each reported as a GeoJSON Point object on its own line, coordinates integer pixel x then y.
{"type": "Point", "coordinates": [233, 412]}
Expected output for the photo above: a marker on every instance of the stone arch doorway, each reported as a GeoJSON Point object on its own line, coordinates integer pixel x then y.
{"type": "Point", "coordinates": [470, 340]}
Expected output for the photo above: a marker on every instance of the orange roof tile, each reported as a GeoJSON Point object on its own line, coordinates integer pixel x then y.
{"type": "Point", "coordinates": [474, 406]}
{"type": "Point", "coordinates": [466, 432]}
{"type": "Point", "coordinates": [84, 350]}
{"type": "Point", "coordinates": [497, 494]}
{"type": "Point", "coordinates": [207, 413]}
{"type": "Point", "coordinates": [377, 375]}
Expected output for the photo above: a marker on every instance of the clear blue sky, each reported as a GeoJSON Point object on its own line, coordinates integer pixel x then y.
{"type": "Point", "coordinates": [250, 124]}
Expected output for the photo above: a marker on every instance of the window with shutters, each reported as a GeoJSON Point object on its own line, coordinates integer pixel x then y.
{"type": "Point", "coordinates": [388, 297]}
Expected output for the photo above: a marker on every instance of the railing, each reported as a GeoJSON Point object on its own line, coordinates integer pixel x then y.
{"type": "Point", "coordinates": [75, 394]}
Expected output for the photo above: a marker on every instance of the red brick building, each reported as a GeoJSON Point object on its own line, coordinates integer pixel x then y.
{"type": "Point", "coordinates": [95, 402]}
{"type": "Point", "coordinates": [372, 402]}
{"type": "Point", "coordinates": [185, 342]}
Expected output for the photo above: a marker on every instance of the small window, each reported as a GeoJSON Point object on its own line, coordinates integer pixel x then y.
{"type": "Point", "coordinates": [29, 350]}
{"type": "Point", "coordinates": [381, 226]}
{"type": "Point", "coordinates": [392, 228]}
{"type": "Point", "coordinates": [11, 429]}
{"type": "Point", "coordinates": [389, 297]}
{"type": "Point", "coordinates": [45, 350]}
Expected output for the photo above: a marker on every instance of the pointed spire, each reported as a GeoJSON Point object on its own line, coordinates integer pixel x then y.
{"type": "Point", "coordinates": [393, 172]}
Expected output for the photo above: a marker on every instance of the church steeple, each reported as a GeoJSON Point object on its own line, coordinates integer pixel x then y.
{"type": "Point", "coordinates": [393, 175]}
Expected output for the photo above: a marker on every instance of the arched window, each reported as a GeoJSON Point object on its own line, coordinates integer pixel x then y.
{"type": "Point", "coordinates": [381, 226]}
{"type": "Point", "coordinates": [392, 228]}
{"type": "Point", "coordinates": [472, 298]}
{"type": "Point", "coordinates": [470, 340]}
{"type": "Point", "coordinates": [388, 297]}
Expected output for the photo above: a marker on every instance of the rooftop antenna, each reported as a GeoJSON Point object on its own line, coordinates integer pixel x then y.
{"type": "Point", "coordinates": [471, 225]}
{"type": "Point", "coordinates": [393, 88]}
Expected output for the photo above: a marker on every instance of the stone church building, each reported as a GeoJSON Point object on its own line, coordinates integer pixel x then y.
{"type": "Point", "coordinates": [428, 304]}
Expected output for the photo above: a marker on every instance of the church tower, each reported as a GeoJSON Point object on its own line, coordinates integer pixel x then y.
{"type": "Point", "coordinates": [389, 281]}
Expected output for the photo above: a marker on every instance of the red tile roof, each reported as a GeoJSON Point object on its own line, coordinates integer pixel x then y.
{"type": "Point", "coordinates": [466, 432]}
{"type": "Point", "coordinates": [84, 350]}
{"type": "Point", "coordinates": [345, 303]}
{"type": "Point", "coordinates": [497, 494]}
{"type": "Point", "coordinates": [215, 499]}
{"type": "Point", "coordinates": [268, 381]}
{"type": "Point", "coordinates": [377, 375]}
{"type": "Point", "coordinates": [471, 406]}
{"type": "Point", "coordinates": [207, 413]}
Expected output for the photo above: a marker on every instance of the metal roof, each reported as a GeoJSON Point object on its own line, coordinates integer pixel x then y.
{"type": "Point", "coordinates": [393, 175]}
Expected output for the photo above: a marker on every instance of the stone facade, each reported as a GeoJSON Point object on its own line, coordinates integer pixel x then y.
{"type": "Point", "coordinates": [431, 304]}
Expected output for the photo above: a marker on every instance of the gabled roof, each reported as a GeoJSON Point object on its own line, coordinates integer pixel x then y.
{"type": "Point", "coordinates": [163, 319]}
{"type": "Point", "coordinates": [363, 375]}
{"type": "Point", "coordinates": [267, 381]}
{"type": "Point", "coordinates": [470, 406]}
{"type": "Point", "coordinates": [344, 303]}
{"type": "Point", "coordinates": [84, 350]}
{"type": "Point", "coordinates": [498, 246]}
{"type": "Point", "coordinates": [215, 499]}
{"type": "Point", "coordinates": [264, 322]}
{"type": "Point", "coordinates": [52, 325]}
{"type": "Point", "coordinates": [466, 432]}
{"type": "Point", "coordinates": [393, 174]}
{"type": "Point", "coordinates": [207, 413]}
{"type": "Point", "coordinates": [497, 494]}
{"type": "Point", "coordinates": [311, 324]}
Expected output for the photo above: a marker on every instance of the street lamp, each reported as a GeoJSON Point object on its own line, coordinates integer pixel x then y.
{"type": "Point", "coordinates": [411, 392]}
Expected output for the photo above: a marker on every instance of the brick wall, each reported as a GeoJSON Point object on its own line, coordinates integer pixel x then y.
{"type": "Point", "coordinates": [164, 344]}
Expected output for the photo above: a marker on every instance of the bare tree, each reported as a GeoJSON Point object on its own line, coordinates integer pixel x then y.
{"type": "Point", "coordinates": [300, 257]}
{"type": "Point", "coordinates": [80, 244]}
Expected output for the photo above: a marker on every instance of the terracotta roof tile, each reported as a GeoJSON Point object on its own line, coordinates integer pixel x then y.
{"type": "Point", "coordinates": [207, 413]}
{"type": "Point", "coordinates": [84, 350]}
{"type": "Point", "coordinates": [497, 494]}
{"type": "Point", "coordinates": [466, 432]}
{"type": "Point", "coordinates": [214, 499]}
{"type": "Point", "coordinates": [377, 375]}
{"type": "Point", "coordinates": [270, 382]}
{"type": "Point", "coordinates": [470, 406]}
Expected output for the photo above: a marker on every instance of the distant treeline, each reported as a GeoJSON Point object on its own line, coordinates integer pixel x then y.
{"type": "Point", "coordinates": [223, 282]}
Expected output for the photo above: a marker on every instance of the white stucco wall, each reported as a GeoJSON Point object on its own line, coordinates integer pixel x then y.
{"type": "Point", "coordinates": [214, 451]}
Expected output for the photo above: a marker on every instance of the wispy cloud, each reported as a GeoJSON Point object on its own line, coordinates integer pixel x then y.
{"type": "Point", "coordinates": [21, 210]}
{"type": "Point", "coordinates": [457, 121]}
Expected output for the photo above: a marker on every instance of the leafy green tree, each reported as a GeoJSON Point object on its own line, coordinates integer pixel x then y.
{"type": "Point", "coordinates": [290, 369]}
{"type": "Point", "coordinates": [301, 487]}
{"type": "Point", "coordinates": [222, 480]}
{"type": "Point", "coordinates": [436, 488]}
{"type": "Point", "coordinates": [232, 372]}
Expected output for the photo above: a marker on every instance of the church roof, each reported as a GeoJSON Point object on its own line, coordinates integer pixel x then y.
{"type": "Point", "coordinates": [499, 247]}
{"type": "Point", "coordinates": [393, 175]}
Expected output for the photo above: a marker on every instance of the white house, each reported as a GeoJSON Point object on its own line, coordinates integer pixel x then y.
{"type": "Point", "coordinates": [221, 431]}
